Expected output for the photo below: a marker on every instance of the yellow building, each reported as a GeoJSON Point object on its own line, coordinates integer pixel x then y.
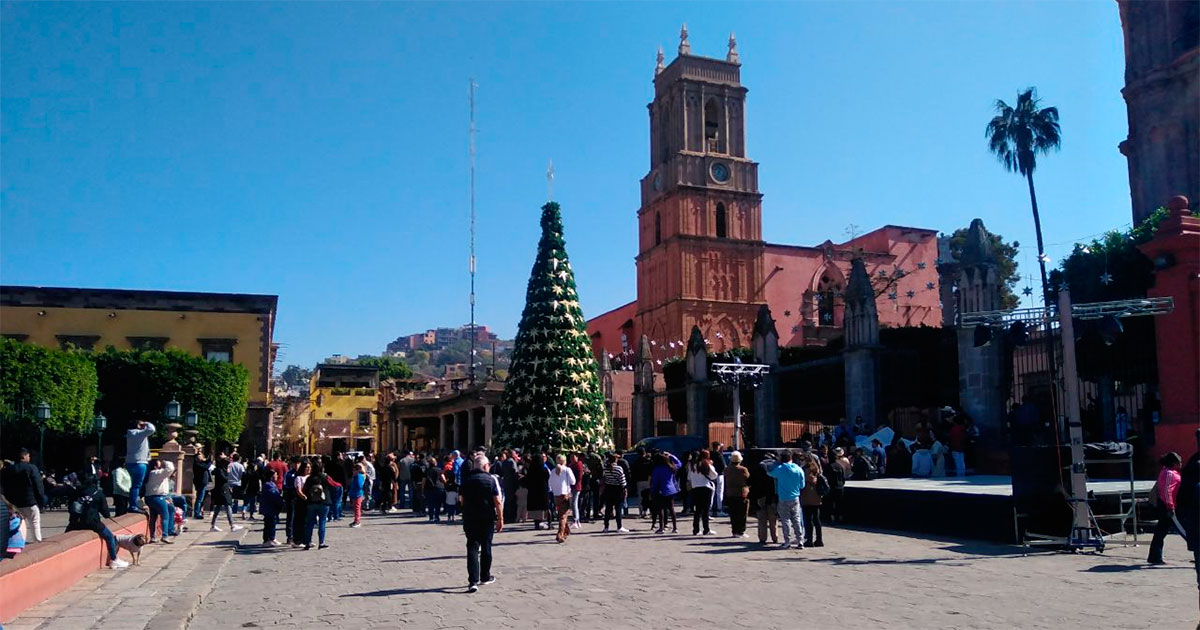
{"type": "Point", "coordinates": [218, 326]}
{"type": "Point", "coordinates": [342, 409]}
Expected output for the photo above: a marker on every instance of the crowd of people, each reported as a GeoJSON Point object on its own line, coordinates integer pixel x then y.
{"type": "Point", "coordinates": [793, 491]}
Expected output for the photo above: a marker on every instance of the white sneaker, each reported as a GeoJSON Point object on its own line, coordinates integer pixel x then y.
{"type": "Point", "coordinates": [235, 528]}
{"type": "Point", "coordinates": [622, 530]}
{"type": "Point", "coordinates": [118, 564]}
{"type": "Point", "coordinates": [273, 543]}
{"type": "Point", "coordinates": [214, 528]}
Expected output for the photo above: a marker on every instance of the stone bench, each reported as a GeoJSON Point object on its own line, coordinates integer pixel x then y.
{"type": "Point", "coordinates": [48, 568]}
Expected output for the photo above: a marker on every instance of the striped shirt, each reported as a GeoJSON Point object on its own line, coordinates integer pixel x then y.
{"type": "Point", "coordinates": [614, 477]}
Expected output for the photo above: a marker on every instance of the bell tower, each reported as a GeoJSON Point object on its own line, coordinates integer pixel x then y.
{"type": "Point", "coordinates": [700, 223]}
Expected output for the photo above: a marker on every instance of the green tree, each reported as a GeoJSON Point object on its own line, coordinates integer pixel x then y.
{"type": "Point", "coordinates": [552, 399]}
{"type": "Point", "coordinates": [389, 367]}
{"type": "Point", "coordinates": [294, 375]}
{"type": "Point", "coordinates": [137, 384]}
{"type": "Point", "coordinates": [1111, 267]}
{"type": "Point", "coordinates": [1016, 135]}
{"type": "Point", "coordinates": [1006, 263]}
{"type": "Point", "coordinates": [64, 379]}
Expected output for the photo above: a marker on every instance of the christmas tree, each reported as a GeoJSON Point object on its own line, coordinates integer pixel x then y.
{"type": "Point", "coordinates": [553, 400]}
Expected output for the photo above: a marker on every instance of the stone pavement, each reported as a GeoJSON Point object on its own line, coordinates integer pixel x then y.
{"type": "Point", "coordinates": [161, 593]}
{"type": "Point", "coordinates": [400, 570]}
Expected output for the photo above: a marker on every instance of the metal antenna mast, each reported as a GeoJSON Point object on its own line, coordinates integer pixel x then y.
{"type": "Point", "coordinates": [471, 264]}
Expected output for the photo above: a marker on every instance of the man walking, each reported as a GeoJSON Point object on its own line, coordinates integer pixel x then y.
{"type": "Point", "coordinates": [22, 484]}
{"type": "Point", "coordinates": [789, 481]}
{"type": "Point", "coordinates": [137, 460]}
{"type": "Point", "coordinates": [482, 516]}
{"type": "Point", "coordinates": [236, 470]}
{"type": "Point", "coordinates": [405, 476]}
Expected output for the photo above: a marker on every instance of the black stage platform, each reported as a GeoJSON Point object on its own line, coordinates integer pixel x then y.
{"type": "Point", "coordinates": [978, 506]}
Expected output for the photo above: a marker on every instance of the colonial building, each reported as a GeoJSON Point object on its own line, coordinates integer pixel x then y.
{"type": "Point", "coordinates": [702, 258]}
{"type": "Point", "coordinates": [1162, 95]}
{"type": "Point", "coordinates": [228, 327]}
{"type": "Point", "coordinates": [343, 400]}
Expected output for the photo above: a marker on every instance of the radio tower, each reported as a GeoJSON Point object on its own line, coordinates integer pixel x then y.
{"type": "Point", "coordinates": [471, 263]}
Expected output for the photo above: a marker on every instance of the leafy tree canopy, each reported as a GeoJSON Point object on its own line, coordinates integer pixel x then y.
{"type": "Point", "coordinates": [389, 367]}
{"type": "Point", "coordinates": [64, 379]}
{"type": "Point", "coordinates": [294, 376]}
{"type": "Point", "coordinates": [1006, 263]}
{"type": "Point", "coordinates": [1110, 267]}
{"type": "Point", "coordinates": [137, 384]}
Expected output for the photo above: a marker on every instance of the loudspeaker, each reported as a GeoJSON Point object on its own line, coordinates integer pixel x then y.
{"type": "Point", "coordinates": [1038, 488]}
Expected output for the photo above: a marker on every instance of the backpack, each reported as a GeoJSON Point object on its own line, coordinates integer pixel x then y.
{"type": "Point", "coordinates": [822, 486]}
{"type": "Point", "coordinates": [835, 476]}
{"type": "Point", "coordinates": [315, 489]}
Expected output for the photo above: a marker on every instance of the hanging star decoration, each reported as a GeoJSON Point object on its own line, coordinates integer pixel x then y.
{"type": "Point", "coordinates": [1027, 291]}
{"type": "Point", "coordinates": [1106, 278]}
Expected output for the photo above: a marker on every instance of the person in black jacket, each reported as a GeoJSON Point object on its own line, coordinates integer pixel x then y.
{"type": "Point", "coordinates": [87, 506]}
{"type": "Point", "coordinates": [22, 484]}
{"type": "Point", "coordinates": [201, 476]}
{"type": "Point", "coordinates": [482, 516]}
{"type": "Point", "coordinates": [222, 496]}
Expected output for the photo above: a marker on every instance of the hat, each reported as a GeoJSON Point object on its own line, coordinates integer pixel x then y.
{"type": "Point", "coordinates": [735, 457]}
{"type": "Point", "coordinates": [838, 451]}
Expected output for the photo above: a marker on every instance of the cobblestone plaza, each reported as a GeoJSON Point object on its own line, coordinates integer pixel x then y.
{"type": "Point", "coordinates": [400, 570]}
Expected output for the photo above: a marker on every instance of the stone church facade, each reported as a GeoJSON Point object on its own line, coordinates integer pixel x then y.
{"type": "Point", "coordinates": [702, 259]}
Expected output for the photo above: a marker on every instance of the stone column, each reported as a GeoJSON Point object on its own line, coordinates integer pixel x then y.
{"type": "Point", "coordinates": [488, 420]}
{"type": "Point", "coordinates": [697, 385]}
{"type": "Point", "coordinates": [443, 430]}
{"type": "Point", "coordinates": [457, 431]}
{"type": "Point", "coordinates": [172, 452]}
{"type": "Point", "coordinates": [980, 370]}
{"type": "Point", "coordinates": [765, 341]}
{"type": "Point", "coordinates": [861, 356]}
{"type": "Point", "coordinates": [471, 437]}
{"type": "Point", "coordinates": [642, 416]}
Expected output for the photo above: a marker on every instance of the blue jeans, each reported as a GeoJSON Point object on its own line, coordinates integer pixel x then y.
{"type": "Point", "coordinates": [269, 521]}
{"type": "Point", "coordinates": [336, 508]}
{"type": "Point", "coordinates": [110, 541]}
{"type": "Point", "coordinates": [137, 475]}
{"type": "Point", "coordinates": [318, 513]}
{"type": "Point", "coordinates": [161, 508]}
{"type": "Point", "coordinates": [198, 509]}
{"type": "Point", "coordinates": [251, 504]}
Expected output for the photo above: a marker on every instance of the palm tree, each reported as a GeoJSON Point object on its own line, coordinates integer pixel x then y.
{"type": "Point", "coordinates": [1017, 135]}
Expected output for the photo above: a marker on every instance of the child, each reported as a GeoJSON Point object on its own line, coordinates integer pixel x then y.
{"type": "Point", "coordinates": [451, 497]}
{"type": "Point", "coordinates": [357, 483]}
{"type": "Point", "coordinates": [270, 502]}
{"type": "Point", "coordinates": [16, 533]}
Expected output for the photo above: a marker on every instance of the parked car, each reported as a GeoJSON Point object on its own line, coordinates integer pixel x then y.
{"type": "Point", "coordinates": [677, 445]}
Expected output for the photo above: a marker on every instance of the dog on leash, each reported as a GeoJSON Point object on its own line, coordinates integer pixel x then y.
{"type": "Point", "coordinates": [133, 544]}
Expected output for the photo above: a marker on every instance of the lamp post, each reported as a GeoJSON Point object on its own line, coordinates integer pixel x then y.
{"type": "Point", "coordinates": [99, 424]}
{"type": "Point", "coordinates": [172, 411]}
{"type": "Point", "coordinates": [41, 412]}
{"type": "Point", "coordinates": [190, 420]}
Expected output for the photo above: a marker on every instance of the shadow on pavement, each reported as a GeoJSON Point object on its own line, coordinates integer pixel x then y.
{"type": "Point", "coordinates": [1125, 568]}
{"type": "Point", "coordinates": [406, 591]}
{"type": "Point", "coordinates": [435, 558]}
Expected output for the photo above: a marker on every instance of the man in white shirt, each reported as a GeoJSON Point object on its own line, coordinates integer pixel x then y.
{"type": "Point", "coordinates": [562, 479]}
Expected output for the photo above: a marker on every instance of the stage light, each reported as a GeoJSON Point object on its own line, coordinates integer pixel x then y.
{"type": "Point", "coordinates": [1018, 333]}
{"type": "Point", "coordinates": [983, 336]}
{"type": "Point", "coordinates": [1109, 328]}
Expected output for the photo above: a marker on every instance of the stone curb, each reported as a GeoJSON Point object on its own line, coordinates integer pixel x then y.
{"type": "Point", "coordinates": [202, 579]}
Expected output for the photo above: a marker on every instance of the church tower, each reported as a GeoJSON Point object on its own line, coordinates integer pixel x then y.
{"type": "Point", "coordinates": [700, 249]}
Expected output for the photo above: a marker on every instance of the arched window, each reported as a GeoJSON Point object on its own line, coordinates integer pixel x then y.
{"type": "Point", "coordinates": [712, 126]}
{"type": "Point", "coordinates": [722, 223]}
{"type": "Point", "coordinates": [657, 229]}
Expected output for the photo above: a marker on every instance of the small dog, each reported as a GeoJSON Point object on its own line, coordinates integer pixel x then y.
{"type": "Point", "coordinates": [133, 544]}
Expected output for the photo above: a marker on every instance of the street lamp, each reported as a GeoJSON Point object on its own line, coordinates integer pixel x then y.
{"type": "Point", "coordinates": [190, 420]}
{"type": "Point", "coordinates": [99, 424]}
{"type": "Point", "coordinates": [41, 412]}
{"type": "Point", "coordinates": [173, 408]}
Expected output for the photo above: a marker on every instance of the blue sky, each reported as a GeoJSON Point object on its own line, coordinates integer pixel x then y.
{"type": "Point", "coordinates": [318, 151]}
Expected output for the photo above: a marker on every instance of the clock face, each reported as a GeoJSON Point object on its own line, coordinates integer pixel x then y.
{"type": "Point", "coordinates": [658, 181]}
{"type": "Point", "coordinates": [720, 172]}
